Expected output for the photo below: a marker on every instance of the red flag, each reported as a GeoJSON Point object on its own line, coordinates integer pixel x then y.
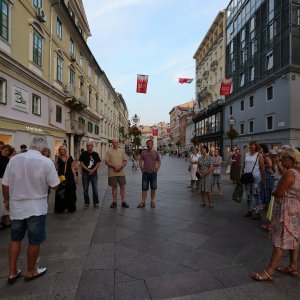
{"type": "Point", "coordinates": [225, 88]}
{"type": "Point", "coordinates": [142, 82]}
{"type": "Point", "coordinates": [155, 132]}
{"type": "Point", "coordinates": [185, 80]}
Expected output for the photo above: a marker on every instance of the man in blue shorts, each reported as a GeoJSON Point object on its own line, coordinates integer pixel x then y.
{"type": "Point", "coordinates": [149, 165]}
{"type": "Point", "coordinates": [25, 189]}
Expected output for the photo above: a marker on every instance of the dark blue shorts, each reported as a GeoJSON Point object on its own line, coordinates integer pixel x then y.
{"type": "Point", "coordinates": [36, 227]}
{"type": "Point", "coordinates": [149, 178]}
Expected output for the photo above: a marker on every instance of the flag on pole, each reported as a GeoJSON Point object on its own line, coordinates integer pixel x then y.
{"type": "Point", "coordinates": [185, 80]}
{"type": "Point", "coordinates": [142, 82]}
{"type": "Point", "coordinates": [225, 88]}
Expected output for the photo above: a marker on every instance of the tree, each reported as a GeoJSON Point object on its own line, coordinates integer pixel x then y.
{"type": "Point", "coordinates": [136, 133]}
{"type": "Point", "coordinates": [232, 134]}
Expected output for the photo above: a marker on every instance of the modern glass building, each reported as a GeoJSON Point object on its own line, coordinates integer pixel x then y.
{"type": "Point", "coordinates": [263, 59]}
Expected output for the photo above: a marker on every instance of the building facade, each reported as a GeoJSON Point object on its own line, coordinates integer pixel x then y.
{"type": "Point", "coordinates": [210, 71]}
{"type": "Point", "coordinates": [263, 59]}
{"type": "Point", "coordinates": [50, 82]}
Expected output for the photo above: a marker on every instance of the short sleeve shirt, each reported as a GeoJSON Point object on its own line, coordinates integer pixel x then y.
{"type": "Point", "coordinates": [28, 176]}
{"type": "Point", "coordinates": [150, 158]}
{"type": "Point", "coordinates": [115, 157]}
{"type": "Point", "coordinates": [90, 160]}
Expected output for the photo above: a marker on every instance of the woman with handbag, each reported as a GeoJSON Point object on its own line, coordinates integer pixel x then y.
{"type": "Point", "coordinates": [253, 175]}
{"type": "Point", "coordinates": [65, 197]}
{"type": "Point", "coordinates": [235, 170]}
{"type": "Point", "coordinates": [216, 169]}
{"type": "Point", "coordinates": [285, 222]}
{"type": "Point", "coordinates": [205, 177]}
{"type": "Point", "coordinates": [194, 157]}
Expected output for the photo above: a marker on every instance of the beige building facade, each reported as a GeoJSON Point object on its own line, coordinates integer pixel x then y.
{"type": "Point", "coordinates": [50, 82]}
{"type": "Point", "coordinates": [210, 71]}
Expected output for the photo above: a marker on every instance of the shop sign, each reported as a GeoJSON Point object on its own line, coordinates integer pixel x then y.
{"type": "Point", "coordinates": [36, 130]}
{"type": "Point", "coordinates": [20, 99]}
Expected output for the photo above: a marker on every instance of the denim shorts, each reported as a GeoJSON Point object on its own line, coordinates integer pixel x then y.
{"type": "Point", "coordinates": [36, 227]}
{"type": "Point", "coordinates": [149, 178]}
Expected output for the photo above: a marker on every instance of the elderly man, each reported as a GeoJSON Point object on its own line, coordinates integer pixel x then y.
{"type": "Point", "coordinates": [149, 164]}
{"type": "Point", "coordinates": [25, 189]}
{"type": "Point", "coordinates": [90, 162]}
{"type": "Point", "coordinates": [116, 161]}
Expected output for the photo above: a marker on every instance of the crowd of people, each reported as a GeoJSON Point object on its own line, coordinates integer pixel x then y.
{"type": "Point", "coordinates": [270, 178]}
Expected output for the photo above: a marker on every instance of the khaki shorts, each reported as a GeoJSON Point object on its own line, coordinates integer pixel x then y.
{"type": "Point", "coordinates": [112, 181]}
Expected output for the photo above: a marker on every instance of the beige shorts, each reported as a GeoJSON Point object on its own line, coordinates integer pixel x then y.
{"type": "Point", "coordinates": [113, 181]}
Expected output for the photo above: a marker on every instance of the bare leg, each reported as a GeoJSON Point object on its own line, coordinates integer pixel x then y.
{"type": "Point", "coordinates": [13, 253]}
{"type": "Point", "coordinates": [153, 195]}
{"type": "Point", "coordinates": [294, 258]}
{"type": "Point", "coordinates": [122, 192]}
{"type": "Point", "coordinates": [192, 184]}
{"type": "Point", "coordinates": [32, 256]}
{"type": "Point", "coordinates": [202, 194]}
{"type": "Point", "coordinates": [275, 259]}
{"type": "Point", "coordinates": [209, 198]}
{"type": "Point", "coordinates": [114, 194]}
{"type": "Point", "coordinates": [219, 187]}
{"type": "Point", "coordinates": [144, 196]}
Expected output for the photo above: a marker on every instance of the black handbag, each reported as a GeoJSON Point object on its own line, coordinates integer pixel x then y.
{"type": "Point", "coordinates": [248, 177]}
{"type": "Point", "coordinates": [61, 191]}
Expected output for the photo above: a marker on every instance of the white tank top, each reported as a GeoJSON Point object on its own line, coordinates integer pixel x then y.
{"type": "Point", "coordinates": [249, 163]}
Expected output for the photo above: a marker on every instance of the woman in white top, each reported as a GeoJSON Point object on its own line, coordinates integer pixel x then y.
{"type": "Point", "coordinates": [254, 163]}
{"type": "Point", "coordinates": [194, 157]}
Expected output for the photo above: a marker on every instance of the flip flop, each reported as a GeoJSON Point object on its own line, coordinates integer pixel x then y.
{"type": "Point", "coordinates": [141, 205]}
{"type": "Point", "coordinates": [152, 204]}
{"type": "Point", "coordinates": [259, 276]}
{"type": "Point", "coordinates": [288, 270]}
{"type": "Point", "coordinates": [40, 272]}
{"type": "Point", "coordinates": [12, 278]}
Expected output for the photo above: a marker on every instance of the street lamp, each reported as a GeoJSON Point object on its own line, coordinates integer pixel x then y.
{"type": "Point", "coordinates": [232, 132]}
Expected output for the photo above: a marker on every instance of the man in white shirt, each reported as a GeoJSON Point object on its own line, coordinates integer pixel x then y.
{"type": "Point", "coordinates": [25, 189]}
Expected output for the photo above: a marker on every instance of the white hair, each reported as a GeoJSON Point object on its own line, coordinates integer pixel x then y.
{"type": "Point", "coordinates": [38, 143]}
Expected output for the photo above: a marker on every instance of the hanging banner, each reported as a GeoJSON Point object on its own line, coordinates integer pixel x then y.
{"type": "Point", "coordinates": [142, 82]}
{"type": "Point", "coordinates": [155, 132]}
{"type": "Point", "coordinates": [185, 80]}
{"type": "Point", "coordinates": [225, 88]}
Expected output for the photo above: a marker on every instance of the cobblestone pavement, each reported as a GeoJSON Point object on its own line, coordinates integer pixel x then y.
{"type": "Point", "coordinates": [176, 250]}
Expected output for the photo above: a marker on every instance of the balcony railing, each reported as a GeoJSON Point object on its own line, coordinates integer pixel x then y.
{"type": "Point", "coordinates": [75, 97]}
{"type": "Point", "coordinates": [75, 127]}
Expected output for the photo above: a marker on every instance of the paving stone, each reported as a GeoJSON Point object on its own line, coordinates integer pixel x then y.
{"type": "Point", "coordinates": [134, 290]}
{"type": "Point", "coordinates": [181, 284]}
{"type": "Point", "coordinates": [121, 277]}
{"type": "Point", "coordinates": [189, 238]}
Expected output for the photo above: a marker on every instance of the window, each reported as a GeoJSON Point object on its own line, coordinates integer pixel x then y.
{"type": "Point", "coordinates": [4, 20]}
{"type": "Point", "coordinates": [270, 32]}
{"type": "Point", "coordinates": [269, 60]}
{"type": "Point", "coordinates": [270, 93]}
{"type": "Point", "coordinates": [90, 97]}
{"type": "Point", "coordinates": [89, 71]}
{"type": "Point", "coordinates": [96, 129]}
{"type": "Point", "coordinates": [251, 73]}
{"type": "Point", "coordinates": [242, 128]}
{"type": "Point", "coordinates": [36, 104]}
{"type": "Point", "coordinates": [59, 28]}
{"type": "Point", "coordinates": [3, 91]}
{"type": "Point", "coordinates": [242, 79]}
{"type": "Point", "coordinates": [230, 110]}
{"type": "Point", "coordinates": [72, 77]}
{"type": "Point", "coordinates": [58, 113]}
{"type": "Point", "coordinates": [251, 101]}
{"type": "Point", "coordinates": [90, 127]}
{"type": "Point", "coordinates": [271, 9]}
{"type": "Point", "coordinates": [72, 49]}
{"type": "Point", "coordinates": [79, 28]}
{"type": "Point", "coordinates": [269, 123]}
{"type": "Point", "coordinates": [59, 69]}
{"type": "Point", "coordinates": [37, 3]}
{"type": "Point", "coordinates": [242, 105]}
{"type": "Point", "coordinates": [251, 126]}
{"type": "Point", "coordinates": [37, 48]}
{"type": "Point", "coordinates": [96, 79]}
{"type": "Point", "coordinates": [80, 59]}
{"type": "Point", "coordinates": [97, 104]}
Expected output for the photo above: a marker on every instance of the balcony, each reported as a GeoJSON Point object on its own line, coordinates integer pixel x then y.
{"type": "Point", "coordinates": [75, 97]}
{"type": "Point", "coordinates": [214, 65]}
{"type": "Point", "coordinates": [75, 127]}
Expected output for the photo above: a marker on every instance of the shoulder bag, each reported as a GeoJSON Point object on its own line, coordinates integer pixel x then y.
{"type": "Point", "coordinates": [248, 177]}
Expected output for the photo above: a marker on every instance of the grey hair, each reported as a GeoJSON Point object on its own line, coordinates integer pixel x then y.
{"type": "Point", "coordinates": [38, 143]}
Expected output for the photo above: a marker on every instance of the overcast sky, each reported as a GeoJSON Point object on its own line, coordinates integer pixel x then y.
{"type": "Point", "coordinates": [152, 37]}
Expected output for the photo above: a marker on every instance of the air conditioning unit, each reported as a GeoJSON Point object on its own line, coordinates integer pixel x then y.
{"type": "Point", "coordinates": [41, 15]}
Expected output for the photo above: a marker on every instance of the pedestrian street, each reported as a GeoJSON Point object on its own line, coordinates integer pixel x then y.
{"type": "Point", "coordinates": [177, 250]}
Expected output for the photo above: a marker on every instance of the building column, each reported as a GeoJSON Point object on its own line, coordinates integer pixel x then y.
{"type": "Point", "coordinates": [72, 146]}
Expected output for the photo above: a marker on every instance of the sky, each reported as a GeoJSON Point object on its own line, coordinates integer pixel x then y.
{"type": "Point", "coordinates": [151, 37]}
